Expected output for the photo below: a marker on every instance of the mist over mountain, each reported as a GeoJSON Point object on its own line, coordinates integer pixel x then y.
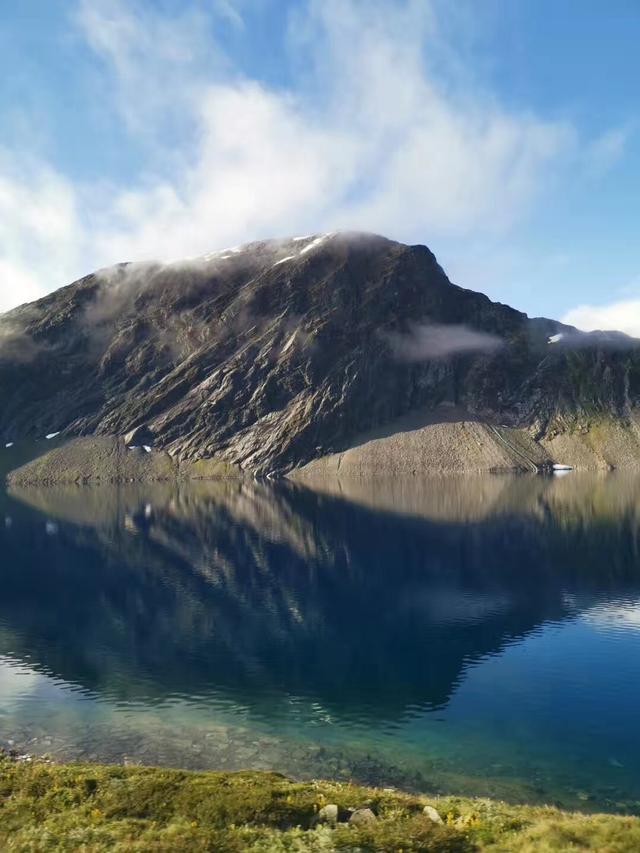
{"type": "Point", "coordinates": [277, 353]}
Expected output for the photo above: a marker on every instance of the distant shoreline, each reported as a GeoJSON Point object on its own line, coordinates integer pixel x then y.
{"type": "Point", "coordinates": [106, 459]}
{"type": "Point", "coordinates": [438, 442]}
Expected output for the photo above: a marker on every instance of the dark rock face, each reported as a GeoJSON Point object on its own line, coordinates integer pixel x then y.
{"type": "Point", "coordinates": [278, 352]}
{"type": "Point", "coordinates": [141, 435]}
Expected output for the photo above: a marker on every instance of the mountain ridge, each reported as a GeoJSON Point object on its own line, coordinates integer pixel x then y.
{"type": "Point", "coordinates": [274, 354]}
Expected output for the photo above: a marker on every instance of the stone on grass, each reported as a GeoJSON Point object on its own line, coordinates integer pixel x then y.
{"type": "Point", "coordinates": [362, 817]}
{"type": "Point", "coordinates": [432, 814]}
{"type": "Point", "coordinates": [328, 814]}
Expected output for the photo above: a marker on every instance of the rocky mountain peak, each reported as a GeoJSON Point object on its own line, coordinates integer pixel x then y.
{"type": "Point", "coordinates": [273, 353]}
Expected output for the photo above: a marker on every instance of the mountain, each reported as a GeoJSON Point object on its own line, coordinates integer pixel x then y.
{"type": "Point", "coordinates": [275, 354]}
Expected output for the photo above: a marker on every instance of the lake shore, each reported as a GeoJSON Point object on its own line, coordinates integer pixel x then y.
{"type": "Point", "coordinates": [102, 459]}
{"type": "Point", "coordinates": [98, 807]}
{"type": "Point", "coordinates": [443, 441]}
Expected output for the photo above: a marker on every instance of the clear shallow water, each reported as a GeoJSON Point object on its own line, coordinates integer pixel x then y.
{"type": "Point", "coordinates": [476, 635]}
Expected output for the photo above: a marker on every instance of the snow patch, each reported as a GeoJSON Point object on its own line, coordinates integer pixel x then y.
{"type": "Point", "coordinates": [51, 435]}
{"type": "Point", "coordinates": [221, 254]}
{"type": "Point", "coordinates": [317, 242]}
{"type": "Point", "coordinates": [215, 256]}
{"type": "Point", "coordinates": [555, 338]}
{"type": "Point", "coordinates": [146, 448]}
{"type": "Point", "coordinates": [9, 444]}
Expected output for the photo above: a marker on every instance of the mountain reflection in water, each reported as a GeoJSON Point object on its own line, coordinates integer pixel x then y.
{"type": "Point", "coordinates": [376, 606]}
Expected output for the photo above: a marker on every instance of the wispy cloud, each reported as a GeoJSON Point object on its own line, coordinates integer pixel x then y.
{"type": "Point", "coordinates": [228, 10]}
{"type": "Point", "coordinates": [604, 152]}
{"type": "Point", "coordinates": [426, 341]}
{"type": "Point", "coordinates": [16, 345]}
{"type": "Point", "coordinates": [152, 60]}
{"type": "Point", "coordinates": [41, 234]}
{"type": "Point", "coordinates": [622, 316]}
{"type": "Point", "coordinates": [379, 134]}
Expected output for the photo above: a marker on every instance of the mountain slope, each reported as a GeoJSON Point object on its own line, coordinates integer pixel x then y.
{"type": "Point", "coordinates": [277, 353]}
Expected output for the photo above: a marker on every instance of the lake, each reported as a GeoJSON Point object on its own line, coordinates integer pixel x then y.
{"type": "Point", "coordinates": [475, 635]}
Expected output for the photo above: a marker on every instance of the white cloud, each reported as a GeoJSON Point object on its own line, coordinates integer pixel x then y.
{"type": "Point", "coordinates": [377, 135]}
{"type": "Point", "coordinates": [153, 59]}
{"type": "Point", "coordinates": [261, 169]}
{"type": "Point", "coordinates": [40, 233]}
{"type": "Point", "coordinates": [444, 160]}
{"type": "Point", "coordinates": [387, 150]}
{"type": "Point", "coordinates": [426, 341]}
{"type": "Point", "coordinates": [622, 316]}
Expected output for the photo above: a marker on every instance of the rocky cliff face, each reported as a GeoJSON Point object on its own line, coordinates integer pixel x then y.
{"type": "Point", "coordinates": [276, 353]}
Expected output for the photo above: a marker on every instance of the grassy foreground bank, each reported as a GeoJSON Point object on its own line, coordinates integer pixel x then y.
{"type": "Point", "coordinates": [93, 808]}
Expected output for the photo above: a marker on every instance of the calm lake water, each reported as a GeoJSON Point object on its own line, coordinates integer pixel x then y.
{"type": "Point", "coordinates": [476, 635]}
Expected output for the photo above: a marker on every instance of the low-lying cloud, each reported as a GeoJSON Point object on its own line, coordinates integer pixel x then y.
{"type": "Point", "coordinates": [118, 287]}
{"type": "Point", "coordinates": [428, 341]}
{"type": "Point", "coordinates": [17, 345]}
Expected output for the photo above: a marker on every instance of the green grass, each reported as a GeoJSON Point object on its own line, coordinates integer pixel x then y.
{"type": "Point", "coordinates": [94, 808]}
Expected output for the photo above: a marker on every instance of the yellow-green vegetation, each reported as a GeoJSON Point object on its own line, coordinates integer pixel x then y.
{"type": "Point", "coordinates": [93, 808]}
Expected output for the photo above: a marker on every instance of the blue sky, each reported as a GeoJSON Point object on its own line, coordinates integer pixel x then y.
{"type": "Point", "coordinates": [504, 134]}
